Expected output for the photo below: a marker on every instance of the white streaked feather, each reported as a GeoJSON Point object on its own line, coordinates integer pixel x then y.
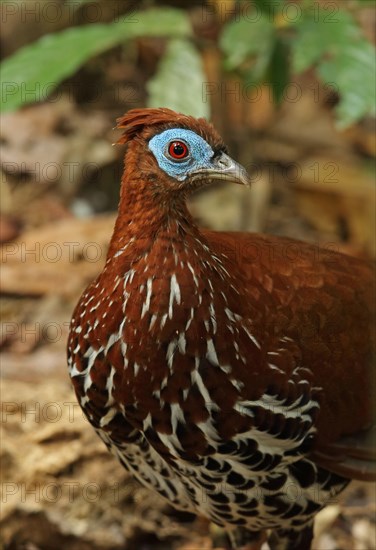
{"type": "Point", "coordinates": [146, 304]}
{"type": "Point", "coordinates": [182, 343]}
{"type": "Point", "coordinates": [152, 321]}
{"type": "Point", "coordinates": [211, 354]}
{"type": "Point", "coordinates": [195, 280]}
{"type": "Point", "coordinates": [171, 349]}
{"type": "Point", "coordinates": [111, 341]}
{"type": "Point", "coordinates": [254, 340]}
{"type": "Point", "coordinates": [110, 386]}
{"type": "Point", "coordinates": [174, 294]}
{"type": "Point", "coordinates": [106, 419]}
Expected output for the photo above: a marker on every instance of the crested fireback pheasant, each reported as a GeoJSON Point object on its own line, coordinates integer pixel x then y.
{"type": "Point", "coordinates": [229, 372]}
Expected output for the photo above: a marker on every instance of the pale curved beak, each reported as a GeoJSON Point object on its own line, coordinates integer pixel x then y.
{"type": "Point", "coordinates": [223, 168]}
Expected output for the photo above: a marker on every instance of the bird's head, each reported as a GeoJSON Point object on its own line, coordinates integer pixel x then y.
{"type": "Point", "coordinates": [176, 152]}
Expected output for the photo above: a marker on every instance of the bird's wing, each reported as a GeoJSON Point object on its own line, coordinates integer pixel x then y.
{"type": "Point", "coordinates": [324, 302]}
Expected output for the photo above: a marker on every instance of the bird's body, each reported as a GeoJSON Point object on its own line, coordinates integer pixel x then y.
{"type": "Point", "coordinates": [227, 371]}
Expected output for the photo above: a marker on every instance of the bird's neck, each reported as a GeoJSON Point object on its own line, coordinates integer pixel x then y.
{"type": "Point", "coordinates": [148, 220]}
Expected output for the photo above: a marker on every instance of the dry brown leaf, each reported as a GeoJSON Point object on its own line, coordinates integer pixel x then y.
{"type": "Point", "coordinates": [58, 258]}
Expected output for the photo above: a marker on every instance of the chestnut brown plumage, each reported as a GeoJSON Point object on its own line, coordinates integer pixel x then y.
{"type": "Point", "coordinates": [223, 368]}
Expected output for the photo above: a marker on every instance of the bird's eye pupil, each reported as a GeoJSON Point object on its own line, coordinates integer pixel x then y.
{"type": "Point", "coordinates": [178, 150]}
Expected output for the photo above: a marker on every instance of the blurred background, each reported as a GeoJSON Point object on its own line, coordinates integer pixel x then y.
{"type": "Point", "coordinates": [290, 85]}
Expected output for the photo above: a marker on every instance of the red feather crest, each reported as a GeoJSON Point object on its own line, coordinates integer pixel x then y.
{"type": "Point", "coordinates": [136, 120]}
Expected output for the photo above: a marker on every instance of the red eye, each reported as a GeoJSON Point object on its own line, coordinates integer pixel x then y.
{"type": "Point", "coordinates": [178, 150]}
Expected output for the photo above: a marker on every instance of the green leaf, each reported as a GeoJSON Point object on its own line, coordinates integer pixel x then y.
{"type": "Point", "coordinates": [279, 69]}
{"type": "Point", "coordinates": [353, 72]}
{"type": "Point", "coordinates": [343, 57]}
{"type": "Point", "coordinates": [180, 81]}
{"type": "Point", "coordinates": [34, 71]}
{"type": "Point", "coordinates": [245, 38]}
{"type": "Point", "coordinates": [319, 32]}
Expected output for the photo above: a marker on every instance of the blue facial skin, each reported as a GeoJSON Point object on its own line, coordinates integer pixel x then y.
{"type": "Point", "coordinates": [200, 153]}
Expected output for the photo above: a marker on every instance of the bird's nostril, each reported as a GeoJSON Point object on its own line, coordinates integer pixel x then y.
{"type": "Point", "coordinates": [224, 161]}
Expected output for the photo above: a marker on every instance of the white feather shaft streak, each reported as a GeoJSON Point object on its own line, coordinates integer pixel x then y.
{"type": "Point", "coordinates": [174, 294]}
